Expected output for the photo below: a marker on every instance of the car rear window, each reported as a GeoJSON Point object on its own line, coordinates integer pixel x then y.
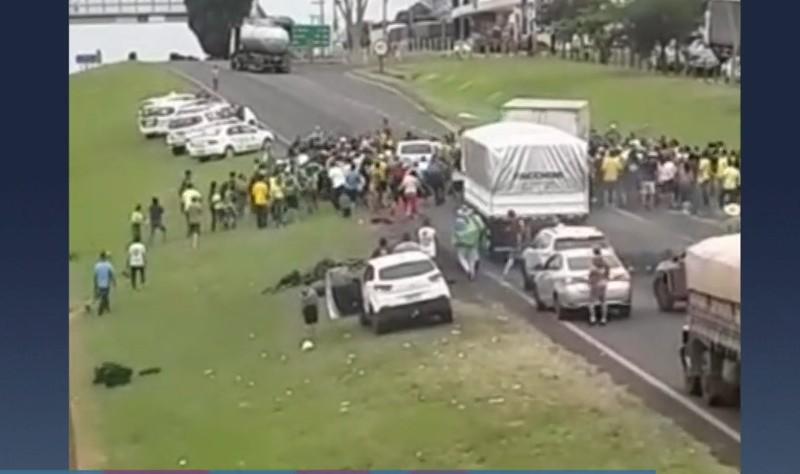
{"type": "Point", "coordinates": [585, 262]}
{"type": "Point", "coordinates": [569, 243]}
{"type": "Point", "coordinates": [416, 149]}
{"type": "Point", "coordinates": [406, 270]}
{"type": "Point", "coordinates": [183, 122]}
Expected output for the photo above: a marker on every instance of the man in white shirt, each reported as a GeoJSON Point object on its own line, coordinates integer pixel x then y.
{"type": "Point", "coordinates": [665, 175]}
{"type": "Point", "coordinates": [136, 262]}
{"type": "Point", "coordinates": [336, 176]}
{"type": "Point", "coordinates": [426, 235]}
{"type": "Point", "coordinates": [188, 195]}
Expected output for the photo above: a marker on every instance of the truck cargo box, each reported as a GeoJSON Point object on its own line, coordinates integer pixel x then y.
{"type": "Point", "coordinates": [571, 116]}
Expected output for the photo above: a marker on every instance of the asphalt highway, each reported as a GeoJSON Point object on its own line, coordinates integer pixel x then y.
{"type": "Point", "coordinates": [641, 351]}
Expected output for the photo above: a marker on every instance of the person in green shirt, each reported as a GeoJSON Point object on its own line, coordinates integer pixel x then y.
{"type": "Point", "coordinates": [467, 239]}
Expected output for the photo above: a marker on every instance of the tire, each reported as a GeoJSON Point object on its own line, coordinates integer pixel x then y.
{"type": "Point", "coordinates": [364, 319]}
{"type": "Point", "coordinates": [540, 306]}
{"type": "Point", "coordinates": [447, 314]}
{"type": "Point", "coordinates": [379, 326]}
{"type": "Point", "coordinates": [562, 314]}
{"type": "Point", "coordinates": [229, 153]}
{"type": "Point", "coordinates": [664, 300]}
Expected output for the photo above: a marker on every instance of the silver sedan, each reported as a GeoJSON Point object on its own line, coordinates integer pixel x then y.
{"type": "Point", "coordinates": [562, 284]}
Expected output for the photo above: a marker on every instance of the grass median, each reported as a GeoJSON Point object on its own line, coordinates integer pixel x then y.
{"type": "Point", "coordinates": [691, 110]}
{"type": "Point", "coordinates": [235, 392]}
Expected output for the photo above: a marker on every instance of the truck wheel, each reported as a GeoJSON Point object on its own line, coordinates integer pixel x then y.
{"type": "Point", "coordinates": [712, 383]}
{"type": "Point", "coordinates": [664, 300]}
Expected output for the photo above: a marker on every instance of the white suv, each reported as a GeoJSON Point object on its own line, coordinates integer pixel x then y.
{"type": "Point", "coordinates": [405, 285]}
{"type": "Point", "coordinates": [551, 240]}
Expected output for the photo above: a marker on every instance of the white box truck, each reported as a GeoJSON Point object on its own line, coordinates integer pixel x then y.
{"type": "Point", "coordinates": [711, 348]}
{"type": "Point", "coordinates": [571, 116]}
{"type": "Point", "coordinates": [538, 171]}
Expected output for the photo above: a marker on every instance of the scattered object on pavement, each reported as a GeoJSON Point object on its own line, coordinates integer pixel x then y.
{"type": "Point", "coordinates": [307, 345]}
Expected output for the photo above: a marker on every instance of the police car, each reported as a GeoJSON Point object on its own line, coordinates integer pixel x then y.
{"type": "Point", "coordinates": [403, 286]}
{"type": "Point", "coordinates": [153, 121]}
{"type": "Point", "coordinates": [230, 140]}
{"type": "Point", "coordinates": [171, 98]}
{"type": "Point", "coordinates": [180, 129]}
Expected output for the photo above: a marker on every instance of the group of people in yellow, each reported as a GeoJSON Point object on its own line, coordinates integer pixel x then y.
{"type": "Point", "coordinates": [653, 174]}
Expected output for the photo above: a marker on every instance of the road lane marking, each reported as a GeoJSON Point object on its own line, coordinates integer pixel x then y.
{"type": "Point", "coordinates": [583, 335]}
{"type": "Point", "coordinates": [650, 379]}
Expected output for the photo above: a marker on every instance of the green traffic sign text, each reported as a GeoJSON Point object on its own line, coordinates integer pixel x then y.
{"type": "Point", "coordinates": [316, 36]}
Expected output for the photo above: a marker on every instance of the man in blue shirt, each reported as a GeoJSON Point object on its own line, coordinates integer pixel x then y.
{"type": "Point", "coordinates": [103, 281]}
{"type": "Point", "coordinates": [353, 183]}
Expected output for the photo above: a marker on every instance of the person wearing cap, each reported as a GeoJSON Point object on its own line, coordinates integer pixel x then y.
{"type": "Point", "coordinates": [104, 280]}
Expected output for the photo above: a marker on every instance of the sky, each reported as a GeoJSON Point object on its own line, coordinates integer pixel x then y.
{"type": "Point", "coordinates": [300, 10]}
{"type": "Point", "coordinates": [154, 41]}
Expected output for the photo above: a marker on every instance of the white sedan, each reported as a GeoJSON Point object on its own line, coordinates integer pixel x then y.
{"type": "Point", "coordinates": [230, 140]}
{"type": "Point", "coordinates": [562, 283]}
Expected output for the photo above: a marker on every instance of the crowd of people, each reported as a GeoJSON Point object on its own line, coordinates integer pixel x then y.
{"type": "Point", "coordinates": [363, 172]}
{"type": "Point", "coordinates": [645, 174]}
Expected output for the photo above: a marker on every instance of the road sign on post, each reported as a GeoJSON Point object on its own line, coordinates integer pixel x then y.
{"type": "Point", "coordinates": [381, 48]}
{"type": "Point", "coordinates": [311, 36]}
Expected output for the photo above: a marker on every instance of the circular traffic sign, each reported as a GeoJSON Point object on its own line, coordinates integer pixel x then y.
{"type": "Point", "coordinates": [380, 47]}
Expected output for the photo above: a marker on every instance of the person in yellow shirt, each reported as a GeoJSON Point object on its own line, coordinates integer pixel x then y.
{"type": "Point", "coordinates": [277, 198]}
{"type": "Point", "coordinates": [260, 193]}
{"type": "Point", "coordinates": [610, 171]}
{"type": "Point", "coordinates": [704, 180]}
{"type": "Point", "coordinates": [731, 183]}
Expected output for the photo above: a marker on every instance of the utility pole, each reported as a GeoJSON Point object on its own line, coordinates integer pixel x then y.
{"type": "Point", "coordinates": [321, 17]}
{"type": "Point", "coordinates": [384, 15]}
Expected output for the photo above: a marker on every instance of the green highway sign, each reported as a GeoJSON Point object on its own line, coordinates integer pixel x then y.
{"type": "Point", "coordinates": [314, 36]}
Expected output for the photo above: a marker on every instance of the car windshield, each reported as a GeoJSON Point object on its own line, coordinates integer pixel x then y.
{"type": "Point", "coordinates": [584, 262]}
{"type": "Point", "coordinates": [406, 270]}
{"type": "Point", "coordinates": [569, 243]}
{"type": "Point", "coordinates": [416, 149]}
{"type": "Point", "coordinates": [157, 111]}
{"type": "Point", "coordinates": [183, 122]}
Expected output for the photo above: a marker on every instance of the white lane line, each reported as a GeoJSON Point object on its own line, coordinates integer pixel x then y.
{"type": "Point", "coordinates": [591, 340]}
{"type": "Point", "coordinates": [650, 379]}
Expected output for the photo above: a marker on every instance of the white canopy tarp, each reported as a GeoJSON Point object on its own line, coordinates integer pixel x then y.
{"type": "Point", "coordinates": [713, 267]}
{"type": "Point", "coordinates": [511, 157]}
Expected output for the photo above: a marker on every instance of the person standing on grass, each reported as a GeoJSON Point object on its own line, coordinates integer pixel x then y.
{"type": "Point", "coordinates": [260, 200]}
{"type": "Point", "coordinates": [190, 194]}
{"type": "Point", "coordinates": [309, 303]}
{"type": "Point", "coordinates": [137, 221]}
{"type": "Point", "coordinates": [194, 217]}
{"type": "Point", "coordinates": [104, 280]}
{"type": "Point", "coordinates": [277, 199]}
{"type": "Point", "coordinates": [136, 262]}
{"type": "Point", "coordinates": [214, 197]}
{"type": "Point", "coordinates": [156, 212]}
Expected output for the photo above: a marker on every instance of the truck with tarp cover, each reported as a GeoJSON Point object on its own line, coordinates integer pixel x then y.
{"type": "Point", "coordinates": [710, 352]}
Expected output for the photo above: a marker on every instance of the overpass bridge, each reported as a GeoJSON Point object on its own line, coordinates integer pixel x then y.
{"type": "Point", "coordinates": [134, 11]}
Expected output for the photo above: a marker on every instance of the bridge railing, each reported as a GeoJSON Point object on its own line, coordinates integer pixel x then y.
{"type": "Point", "coordinates": [79, 8]}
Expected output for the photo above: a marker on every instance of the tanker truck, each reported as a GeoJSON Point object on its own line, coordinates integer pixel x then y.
{"type": "Point", "coordinates": [262, 45]}
{"type": "Point", "coordinates": [710, 352]}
